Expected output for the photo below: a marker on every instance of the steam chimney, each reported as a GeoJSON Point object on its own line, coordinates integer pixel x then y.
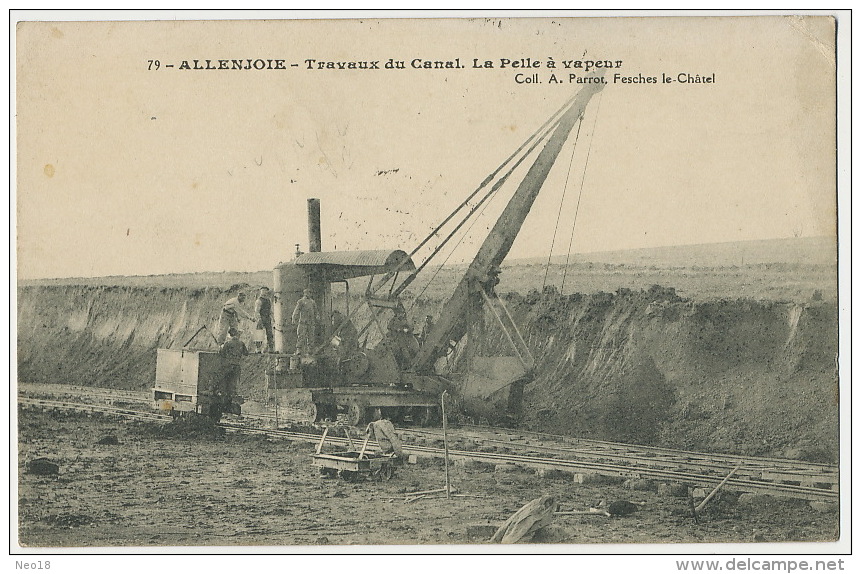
{"type": "Point", "coordinates": [315, 243]}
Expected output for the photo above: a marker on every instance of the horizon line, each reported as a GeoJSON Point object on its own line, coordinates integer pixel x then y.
{"type": "Point", "coordinates": [678, 245]}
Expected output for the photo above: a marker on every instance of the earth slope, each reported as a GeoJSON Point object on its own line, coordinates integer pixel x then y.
{"type": "Point", "coordinates": [643, 366]}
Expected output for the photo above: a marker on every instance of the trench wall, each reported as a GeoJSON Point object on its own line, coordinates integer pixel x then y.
{"type": "Point", "coordinates": [648, 367]}
{"type": "Point", "coordinates": [637, 366]}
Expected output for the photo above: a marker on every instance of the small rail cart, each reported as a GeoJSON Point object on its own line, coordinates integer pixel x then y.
{"type": "Point", "coordinates": [354, 465]}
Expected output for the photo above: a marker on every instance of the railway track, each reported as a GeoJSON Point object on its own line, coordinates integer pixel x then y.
{"type": "Point", "coordinates": [806, 474]}
{"type": "Point", "coordinates": [581, 458]}
{"type": "Point", "coordinates": [99, 394]}
{"type": "Point", "coordinates": [58, 405]}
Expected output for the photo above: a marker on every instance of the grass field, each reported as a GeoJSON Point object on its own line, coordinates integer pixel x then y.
{"type": "Point", "coordinates": [775, 270]}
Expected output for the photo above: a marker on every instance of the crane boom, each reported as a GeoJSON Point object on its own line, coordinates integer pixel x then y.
{"type": "Point", "coordinates": [452, 323]}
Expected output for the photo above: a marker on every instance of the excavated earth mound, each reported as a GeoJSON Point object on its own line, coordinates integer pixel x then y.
{"type": "Point", "coordinates": [637, 366]}
{"type": "Point", "coordinates": [649, 367]}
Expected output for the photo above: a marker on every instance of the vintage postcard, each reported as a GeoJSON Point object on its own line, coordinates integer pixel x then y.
{"type": "Point", "coordinates": [429, 284]}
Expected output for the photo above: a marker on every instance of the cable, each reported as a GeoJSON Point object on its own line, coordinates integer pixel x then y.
{"type": "Point", "coordinates": [553, 119]}
{"type": "Point", "coordinates": [580, 195]}
{"type": "Point", "coordinates": [490, 193]}
{"type": "Point", "coordinates": [493, 190]}
{"type": "Point", "coordinates": [562, 202]}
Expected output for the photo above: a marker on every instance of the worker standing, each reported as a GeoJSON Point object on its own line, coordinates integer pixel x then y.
{"type": "Point", "coordinates": [231, 311]}
{"type": "Point", "coordinates": [232, 352]}
{"type": "Point", "coordinates": [427, 327]}
{"type": "Point", "coordinates": [263, 308]}
{"type": "Point", "coordinates": [403, 343]}
{"type": "Point", "coordinates": [305, 319]}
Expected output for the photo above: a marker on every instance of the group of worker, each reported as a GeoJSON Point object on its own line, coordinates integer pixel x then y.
{"type": "Point", "coordinates": [305, 317]}
{"type": "Point", "coordinates": [232, 348]}
{"type": "Point", "coordinates": [232, 311]}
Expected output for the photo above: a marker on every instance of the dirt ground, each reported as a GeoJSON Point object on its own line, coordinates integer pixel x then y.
{"type": "Point", "coordinates": [162, 488]}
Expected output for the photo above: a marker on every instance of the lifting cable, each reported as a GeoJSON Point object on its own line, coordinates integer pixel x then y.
{"type": "Point", "coordinates": [468, 229]}
{"type": "Point", "coordinates": [441, 265]}
{"type": "Point", "coordinates": [483, 201]}
{"type": "Point", "coordinates": [580, 195]}
{"type": "Point", "coordinates": [472, 211]}
{"type": "Point", "coordinates": [487, 196]}
{"type": "Point", "coordinates": [453, 249]}
{"type": "Point", "coordinates": [538, 135]}
{"type": "Point", "coordinates": [562, 202]}
{"type": "Point", "coordinates": [554, 119]}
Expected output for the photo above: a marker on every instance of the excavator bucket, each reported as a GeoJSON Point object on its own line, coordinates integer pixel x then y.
{"type": "Point", "coordinates": [489, 375]}
{"type": "Point", "coordinates": [492, 387]}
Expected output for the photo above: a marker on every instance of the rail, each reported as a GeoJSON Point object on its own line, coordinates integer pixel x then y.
{"type": "Point", "coordinates": [778, 477]}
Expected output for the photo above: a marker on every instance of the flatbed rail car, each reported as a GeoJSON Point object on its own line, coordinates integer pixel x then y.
{"type": "Point", "coordinates": [354, 465]}
{"type": "Point", "coordinates": [195, 381]}
{"type": "Point", "coordinates": [358, 402]}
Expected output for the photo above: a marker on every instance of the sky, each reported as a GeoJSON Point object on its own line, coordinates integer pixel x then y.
{"type": "Point", "coordinates": [125, 169]}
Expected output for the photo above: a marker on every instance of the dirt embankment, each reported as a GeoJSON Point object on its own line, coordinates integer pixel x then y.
{"type": "Point", "coordinates": [645, 367]}
{"type": "Point", "coordinates": [649, 367]}
{"type": "Point", "coordinates": [107, 336]}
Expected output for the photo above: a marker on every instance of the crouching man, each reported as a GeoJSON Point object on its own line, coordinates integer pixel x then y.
{"type": "Point", "coordinates": [383, 431]}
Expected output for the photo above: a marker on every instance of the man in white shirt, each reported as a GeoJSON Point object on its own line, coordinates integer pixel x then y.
{"type": "Point", "coordinates": [231, 312]}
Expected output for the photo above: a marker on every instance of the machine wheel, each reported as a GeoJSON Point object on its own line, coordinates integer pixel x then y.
{"type": "Point", "coordinates": [328, 472]}
{"type": "Point", "coordinates": [313, 412]}
{"type": "Point", "coordinates": [356, 414]}
{"type": "Point", "coordinates": [317, 412]}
